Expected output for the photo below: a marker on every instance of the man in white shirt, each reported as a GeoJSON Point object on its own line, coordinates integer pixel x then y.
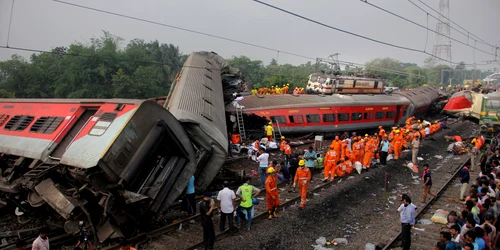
{"type": "Point", "coordinates": [263, 160]}
{"type": "Point", "coordinates": [427, 130]}
{"type": "Point", "coordinates": [42, 241]}
{"type": "Point", "coordinates": [407, 217]}
{"type": "Point", "coordinates": [227, 202]}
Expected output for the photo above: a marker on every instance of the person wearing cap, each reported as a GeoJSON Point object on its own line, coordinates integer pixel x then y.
{"type": "Point", "coordinates": [381, 132]}
{"type": "Point", "coordinates": [288, 152]}
{"type": "Point", "coordinates": [310, 158]}
{"type": "Point", "coordinates": [369, 152]}
{"type": "Point", "coordinates": [302, 177]}
{"type": "Point", "coordinates": [226, 199]}
{"type": "Point", "coordinates": [207, 206]}
{"type": "Point", "coordinates": [272, 197]}
{"type": "Point", "coordinates": [398, 144]}
{"type": "Point", "coordinates": [282, 146]}
{"type": "Point", "coordinates": [269, 131]}
{"type": "Point", "coordinates": [330, 164]}
{"type": "Point", "coordinates": [246, 193]}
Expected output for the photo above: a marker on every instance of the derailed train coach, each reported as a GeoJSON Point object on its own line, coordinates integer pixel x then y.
{"type": "Point", "coordinates": [113, 163]}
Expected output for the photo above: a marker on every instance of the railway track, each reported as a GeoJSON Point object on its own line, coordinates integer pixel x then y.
{"type": "Point", "coordinates": [424, 237]}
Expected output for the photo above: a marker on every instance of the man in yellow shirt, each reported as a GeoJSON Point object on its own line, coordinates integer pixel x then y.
{"type": "Point", "coordinates": [269, 131]}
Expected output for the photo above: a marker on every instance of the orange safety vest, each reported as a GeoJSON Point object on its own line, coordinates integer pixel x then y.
{"type": "Point", "coordinates": [282, 145]}
{"type": "Point", "coordinates": [288, 149]}
{"type": "Point", "coordinates": [302, 174]}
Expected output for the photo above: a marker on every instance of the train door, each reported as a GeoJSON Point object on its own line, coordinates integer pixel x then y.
{"type": "Point", "coordinates": [73, 132]}
{"type": "Point", "coordinates": [398, 114]}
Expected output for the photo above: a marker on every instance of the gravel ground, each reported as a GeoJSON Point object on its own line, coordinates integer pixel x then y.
{"type": "Point", "coordinates": [356, 208]}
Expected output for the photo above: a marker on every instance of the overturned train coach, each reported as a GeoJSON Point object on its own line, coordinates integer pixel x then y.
{"type": "Point", "coordinates": [337, 113]}
{"type": "Point", "coordinates": [113, 163]}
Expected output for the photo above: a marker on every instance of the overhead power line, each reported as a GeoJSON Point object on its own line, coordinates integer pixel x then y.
{"type": "Point", "coordinates": [217, 36]}
{"type": "Point", "coordinates": [358, 35]}
{"type": "Point", "coordinates": [424, 27]}
{"type": "Point", "coordinates": [451, 21]}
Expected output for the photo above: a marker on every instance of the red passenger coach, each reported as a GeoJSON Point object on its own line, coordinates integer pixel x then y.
{"type": "Point", "coordinates": [322, 114]}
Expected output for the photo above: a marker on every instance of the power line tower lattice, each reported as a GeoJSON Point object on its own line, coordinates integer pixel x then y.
{"type": "Point", "coordinates": [442, 48]}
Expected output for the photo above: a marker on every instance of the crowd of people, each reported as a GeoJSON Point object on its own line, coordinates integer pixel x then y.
{"type": "Point", "coordinates": [277, 90]}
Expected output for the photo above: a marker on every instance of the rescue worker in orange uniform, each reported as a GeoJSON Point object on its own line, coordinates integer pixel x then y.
{"type": "Point", "coordinates": [381, 132]}
{"type": "Point", "coordinates": [341, 168]}
{"type": "Point", "coordinates": [410, 120]}
{"type": "Point", "coordinates": [392, 134]}
{"type": "Point", "coordinates": [349, 166]}
{"type": "Point", "coordinates": [369, 153]}
{"type": "Point", "coordinates": [302, 177]}
{"type": "Point", "coordinates": [337, 146]}
{"type": "Point", "coordinates": [344, 152]}
{"type": "Point", "coordinates": [330, 163]}
{"type": "Point", "coordinates": [358, 153]}
{"type": "Point", "coordinates": [272, 197]}
{"type": "Point", "coordinates": [398, 145]}
{"type": "Point", "coordinates": [477, 143]}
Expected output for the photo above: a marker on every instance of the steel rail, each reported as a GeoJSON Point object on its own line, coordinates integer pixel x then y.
{"type": "Point", "coordinates": [428, 204]}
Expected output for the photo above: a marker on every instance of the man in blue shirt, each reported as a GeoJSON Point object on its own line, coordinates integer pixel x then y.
{"type": "Point", "coordinates": [470, 237]}
{"type": "Point", "coordinates": [189, 202]}
{"type": "Point", "coordinates": [310, 157]}
{"type": "Point", "coordinates": [407, 214]}
{"type": "Point", "coordinates": [446, 238]}
{"type": "Point", "coordinates": [384, 151]}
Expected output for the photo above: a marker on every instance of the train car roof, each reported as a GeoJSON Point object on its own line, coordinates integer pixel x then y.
{"type": "Point", "coordinates": [495, 95]}
{"type": "Point", "coordinates": [36, 100]}
{"type": "Point", "coordinates": [304, 101]}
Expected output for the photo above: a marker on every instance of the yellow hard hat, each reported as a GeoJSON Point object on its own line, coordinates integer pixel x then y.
{"type": "Point", "coordinates": [302, 163]}
{"type": "Point", "coordinates": [397, 131]}
{"type": "Point", "coordinates": [366, 135]}
{"type": "Point", "coordinates": [419, 121]}
{"type": "Point", "coordinates": [282, 137]}
{"type": "Point", "coordinates": [270, 123]}
{"type": "Point", "coordinates": [474, 140]}
{"type": "Point", "coordinates": [270, 170]}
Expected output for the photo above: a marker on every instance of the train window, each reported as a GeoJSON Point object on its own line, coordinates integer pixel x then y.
{"type": "Point", "coordinates": [356, 116]}
{"type": "Point", "coordinates": [19, 122]}
{"type": "Point", "coordinates": [103, 123]}
{"type": "Point", "coordinates": [343, 117]}
{"type": "Point", "coordinates": [368, 116]}
{"type": "Point", "coordinates": [296, 118]}
{"type": "Point", "coordinates": [379, 115]}
{"type": "Point", "coordinates": [3, 118]}
{"type": "Point", "coordinates": [312, 118]}
{"type": "Point", "coordinates": [405, 112]}
{"type": "Point", "coordinates": [328, 118]}
{"type": "Point", "coordinates": [493, 104]}
{"type": "Point", "coordinates": [46, 124]}
{"type": "Point", "coordinates": [389, 114]}
{"type": "Point", "coordinates": [278, 119]}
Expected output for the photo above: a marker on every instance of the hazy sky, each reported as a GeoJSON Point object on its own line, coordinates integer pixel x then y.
{"type": "Point", "coordinates": [44, 24]}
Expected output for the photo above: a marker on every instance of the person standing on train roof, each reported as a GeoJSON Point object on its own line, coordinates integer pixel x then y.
{"type": "Point", "coordinates": [272, 197]}
{"type": "Point", "coordinates": [269, 131]}
{"type": "Point", "coordinates": [302, 177]}
{"type": "Point", "coordinates": [310, 157]}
